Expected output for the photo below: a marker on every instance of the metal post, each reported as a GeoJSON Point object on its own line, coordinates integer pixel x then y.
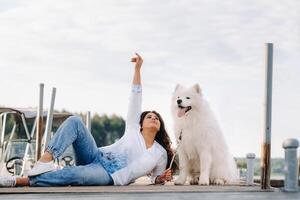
{"type": "Point", "coordinates": [250, 168]}
{"type": "Point", "coordinates": [266, 146]}
{"type": "Point", "coordinates": [49, 120]}
{"type": "Point", "coordinates": [25, 127]}
{"type": "Point", "coordinates": [39, 128]}
{"type": "Point", "coordinates": [26, 167]}
{"type": "Point", "coordinates": [290, 165]}
{"type": "Point", "coordinates": [3, 124]}
{"type": "Point", "coordinates": [1, 138]}
{"type": "Point", "coordinates": [299, 167]}
{"type": "Point", "coordinates": [88, 121]}
{"type": "Point", "coordinates": [1, 128]}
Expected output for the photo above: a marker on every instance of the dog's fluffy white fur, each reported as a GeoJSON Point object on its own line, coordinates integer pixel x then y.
{"type": "Point", "coordinates": [203, 153]}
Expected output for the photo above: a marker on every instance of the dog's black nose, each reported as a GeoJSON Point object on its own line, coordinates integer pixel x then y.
{"type": "Point", "coordinates": [179, 101]}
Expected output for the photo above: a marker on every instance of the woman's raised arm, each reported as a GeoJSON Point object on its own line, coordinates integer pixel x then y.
{"type": "Point", "coordinates": [135, 100]}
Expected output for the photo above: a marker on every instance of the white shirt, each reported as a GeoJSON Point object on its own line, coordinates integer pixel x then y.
{"type": "Point", "coordinates": [130, 153]}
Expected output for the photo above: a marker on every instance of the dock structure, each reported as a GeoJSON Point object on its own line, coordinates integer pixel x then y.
{"type": "Point", "coordinates": [140, 190]}
{"type": "Point", "coordinates": [143, 189]}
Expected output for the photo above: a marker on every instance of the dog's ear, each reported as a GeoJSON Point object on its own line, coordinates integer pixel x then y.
{"type": "Point", "coordinates": [178, 86]}
{"type": "Point", "coordinates": [197, 88]}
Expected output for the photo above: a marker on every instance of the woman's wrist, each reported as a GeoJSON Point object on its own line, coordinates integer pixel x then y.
{"type": "Point", "coordinates": [138, 68]}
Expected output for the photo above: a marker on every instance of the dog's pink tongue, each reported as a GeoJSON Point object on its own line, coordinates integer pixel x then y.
{"type": "Point", "coordinates": [181, 112]}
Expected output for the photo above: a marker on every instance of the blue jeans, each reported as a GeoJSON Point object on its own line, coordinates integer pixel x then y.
{"type": "Point", "coordinates": [88, 169]}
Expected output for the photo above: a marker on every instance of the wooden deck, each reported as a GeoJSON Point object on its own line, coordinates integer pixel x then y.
{"type": "Point", "coordinates": [131, 189]}
{"type": "Point", "coordinates": [147, 192]}
{"type": "Point", "coordinates": [142, 185]}
{"type": "Point", "coordinates": [139, 187]}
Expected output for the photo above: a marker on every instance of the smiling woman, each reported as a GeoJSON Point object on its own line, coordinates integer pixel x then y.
{"type": "Point", "coordinates": [143, 149]}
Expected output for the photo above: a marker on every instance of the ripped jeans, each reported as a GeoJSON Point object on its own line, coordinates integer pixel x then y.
{"type": "Point", "coordinates": [88, 170]}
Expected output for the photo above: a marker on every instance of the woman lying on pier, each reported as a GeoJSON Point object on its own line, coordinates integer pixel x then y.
{"type": "Point", "coordinates": [143, 149]}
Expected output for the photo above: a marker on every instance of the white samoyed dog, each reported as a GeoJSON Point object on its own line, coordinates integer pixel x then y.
{"type": "Point", "coordinates": [203, 153]}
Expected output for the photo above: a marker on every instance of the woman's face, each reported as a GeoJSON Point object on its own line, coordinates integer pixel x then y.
{"type": "Point", "coordinates": [151, 121]}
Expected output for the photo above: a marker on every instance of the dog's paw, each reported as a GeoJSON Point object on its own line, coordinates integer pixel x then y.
{"type": "Point", "coordinates": [179, 181]}
{"type": "Point", "coordinates": [194, 180]}
{"type": "Point", "coordinates": [218, 181]}
{"type": "Point", "coordinates": [203, 180]}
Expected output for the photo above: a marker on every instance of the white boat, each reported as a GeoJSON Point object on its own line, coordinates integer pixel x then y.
{"type": "Point", "coordinates": [17, 139]}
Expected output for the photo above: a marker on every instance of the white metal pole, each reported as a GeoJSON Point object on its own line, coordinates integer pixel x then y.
{"type": "Point", "coordinates": [88, 121]}
{"type": "Point", "coordinates": [1, 137]}
{"type": "Point", "coordinates": [250, 168]}
{"type": "Point", "coordinates": [3, 124]}
{"type": "Point", "coordinates": [290, 165]}
{"type": "Point", "coordinates": [266, 147]}
{"type": "Point", "coordinates": [29, 147]}
{"type": "Point", "coordinates": [39, 127]}
{"type": "Point", "coordinates": [49, 120]}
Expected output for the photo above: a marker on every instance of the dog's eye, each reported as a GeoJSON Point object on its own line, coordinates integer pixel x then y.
{"type": "Point", "coordinates": [187, 97]}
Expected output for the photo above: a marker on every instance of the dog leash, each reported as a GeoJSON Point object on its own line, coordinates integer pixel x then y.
{"type": "Point", "coordinates": [175, 152]}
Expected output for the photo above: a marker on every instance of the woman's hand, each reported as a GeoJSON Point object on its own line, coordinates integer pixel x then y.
{"type": "Point", "coordinates": [138, 60]}
{"type": "Point", "coordinates": [165, 176]}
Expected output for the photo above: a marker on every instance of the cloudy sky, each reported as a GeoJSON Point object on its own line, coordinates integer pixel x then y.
{"type": "Point", "coordinates": [83, 49]}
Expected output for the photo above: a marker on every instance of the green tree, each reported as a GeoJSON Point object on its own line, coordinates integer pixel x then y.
{"type": "Point", "coordinates": [106, 130]}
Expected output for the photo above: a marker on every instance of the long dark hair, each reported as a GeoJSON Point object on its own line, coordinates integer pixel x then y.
{"type": "Point", "coordinates": [161, 137]}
